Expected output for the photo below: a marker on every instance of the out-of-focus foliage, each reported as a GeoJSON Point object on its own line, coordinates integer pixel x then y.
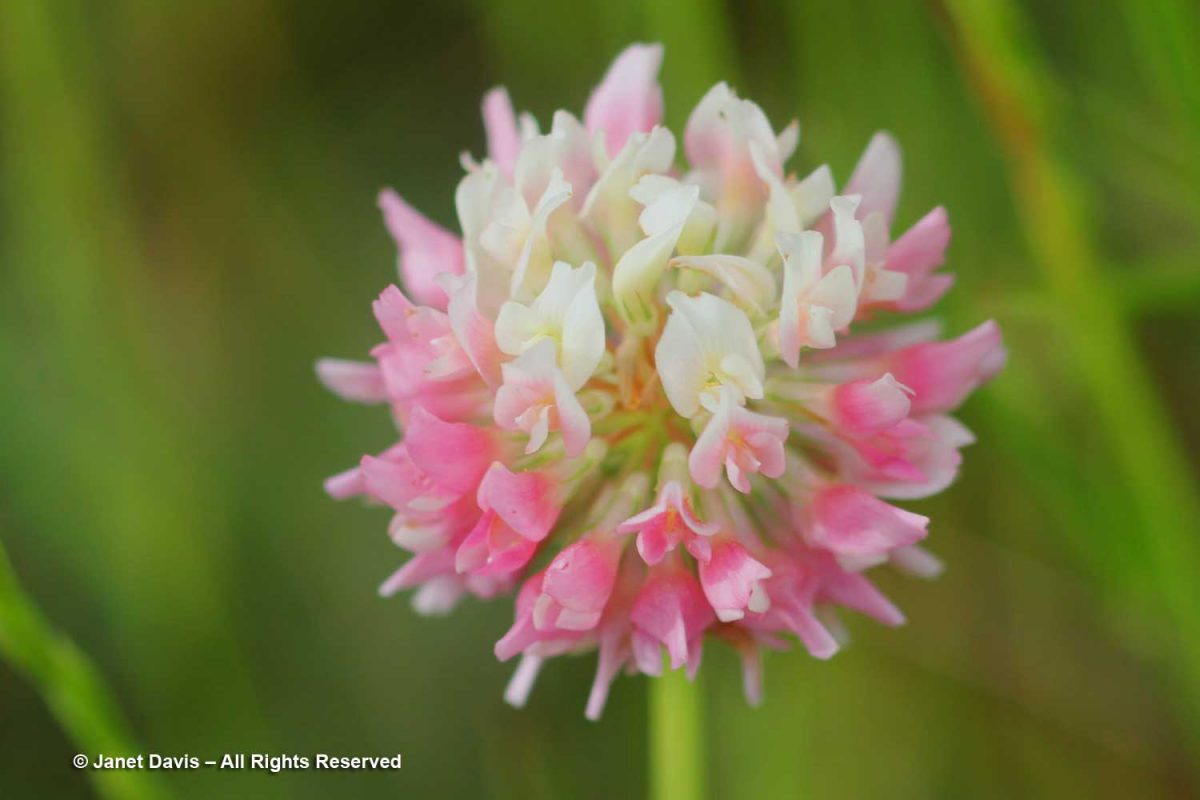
{"type": "Point", "coordinates": [188, 221]}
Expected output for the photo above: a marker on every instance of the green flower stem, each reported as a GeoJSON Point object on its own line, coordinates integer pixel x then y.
{"type": "Point", "coordinates": [676, 738]}
{"type": "Point", "coordinates": [73, 690]}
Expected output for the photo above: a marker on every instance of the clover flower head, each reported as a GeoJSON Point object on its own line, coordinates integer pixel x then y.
{"type": "Point", "coordinates": [630, 391]}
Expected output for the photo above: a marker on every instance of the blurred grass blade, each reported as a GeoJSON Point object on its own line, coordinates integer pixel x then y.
{"type": "Point", "coordinates": [1168, 283]}
{"type": "Point", "coordinates": [1166, 33]}
{"type": "Point", "coordinates": [1012, 83]}
{"type": "Point", "coordinates": [72, 687]}
{"type": "Point", "coordinates": [120, 443]}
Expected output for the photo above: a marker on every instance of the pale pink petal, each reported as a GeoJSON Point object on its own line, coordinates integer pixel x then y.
{"type": "Point", "coordinates": [815, 637]}
{"type": "Point", "coordinates": [724, 137]}
{"type": "Point", "coordinates": [572, 419]}
{"type": "Point", "coordinates": [629, 99]}
{"type": "Point", "coordinates": [500, 125]}
{"type": "Point", "coordinates": [522, 634]}
{"type": "Point", "coordinates": [917, 561]}
{"type": "Point", "coordinates": [647, 652]}
{"type": "Point", "coordinates": [454, 455]}
{"type": "Point", "coordinates": [419, 569]}
{"type": "Point", "coordinates": [793, 587]}
{"type": "Point", "coordinates": [614, 651]}
{"type": "Point", "coordinates": [672, 496]}
{"type": "Point", "coordinates": [355, 381]}
{"type": "Point", "coordinates": [525, 500]}
{"type": "Point", "coordinates": [909, 461]}
{"type": "Point", "coordinates": [861, 346]}
{"type": "Point", "coordinates": [474, 332]}
{"type": "Point", "coordinates": [671, 610]}
{"type": "Point", "coordinates": [731, 580]}
{"type": "Point", "coordinates": [393, 478]}
{"type": "Point", "coordinates": [708, 454]}
{"type": "Point", "coordinates": [922, 248]}
{"type": "Point", "coordinates": [493, 548]}
{"type": "Point", "coordinates": [664, 525]}
{"type": "Point", "coordinates": [346, 484]}
{"type": "Point", "coordinates": [876, 178]}
{"type": "Point", "coordinates": [701, 548]}
{"type": "Point", "coordinates": [752, 673]}
{"type": "Point", "coordinates": [578, 584]}
{"type": "Point", "coordinates": [433, 518]}
{"type": "Point", "coordinates": [392, 310]}
{"type": "Point", "coordinates": [741, 440]}
{"type": "Point", "coordinates": [860, 529]}
{"type": "Point", "coordinates": [917, 253]}
{"type": "Point", "coordinates": [426, 249]}
{"type": "Point", "coordinates": [524, 637]}
{"type": "Point", "coordinates": [536, 398]}
{"type": "Point", "coordinates": [942, 374]}
{"type": "Point", "coordinates": [866, 406]}
{"type": "Point", "coordinates": [656, 539]}
{"type": "Point", "coordinates": [857, 593]}
{"type": "Point", "coordinates": [923, 293]}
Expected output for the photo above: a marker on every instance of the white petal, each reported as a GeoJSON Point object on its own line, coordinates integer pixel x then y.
{"type": "Point", "coordinates": [759, 601]}
{"type": "Point", "coordinates": [535, 259]}
{"type": "Point", "coordinates": [801, 270]}
{"type": "Point", "coordinates": [539, 430]}
{"type": "Point", "coordinates": [636, 276]}
{"type": "Point", "coordinates": [698, 231]}
{"type": "Point", "coordinates": [652, 186]}
{"type": "Point", "coordinates": [438, 596]}
{"type": "Point", "coordinates": [609, 206]}
{"type": "Point", "coordinates": [517, 327]}
{"type": "Point", "coordinates": [476, 200]}
{"type": "Point", "coordinates": [566, 148]}
{"type": "Point", "coordinates": [707, 343]}
{"type": "Point", "coordinates": [875, 238]}
{"type": "Point", "coordinates": [474, 332]}
{"type": "Point", "coordinates": [521, 683]}
{"type": "Point", "coordinates": [583, 339]}
{"type": "Point", "coordinates": [837, 292]}
{"type": "Point", "coordinates": [787, 140]}
{"type": "Point", "coordinates": [742, 374]}
{"type": "Point", "coordinates": [819, 332]}
{"type": "Point", "coordinates": [701, 221]}
{"type": "Point", "coordinates": [566, 312]}
{"type": "Point", "coordinates": [749, 281]}
{"type": "Point", "coordinates": [801, 254]}
{"type": "Point", "coordinates": [670, 209]}
{"type": "Point", "coordinates": [564, 285]}
{"type": "Point", "coordinates": [886, 286]}
{"type": "Point", "coordinates": [811, 196]}
{"type": "Point", "coordinates": [781, 209]}
{"type": "Point", "coordinates": [849, 242]}
{"type": "Point", "coordinates": [506, 227]}
{"type": "Point", "coordinates": [722, 125]}
{"type": "Point", "coordinates": [573, 421]}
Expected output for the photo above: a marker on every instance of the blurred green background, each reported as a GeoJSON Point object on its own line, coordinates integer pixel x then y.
{"type": "Point", "coordinates": [188, 221]}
